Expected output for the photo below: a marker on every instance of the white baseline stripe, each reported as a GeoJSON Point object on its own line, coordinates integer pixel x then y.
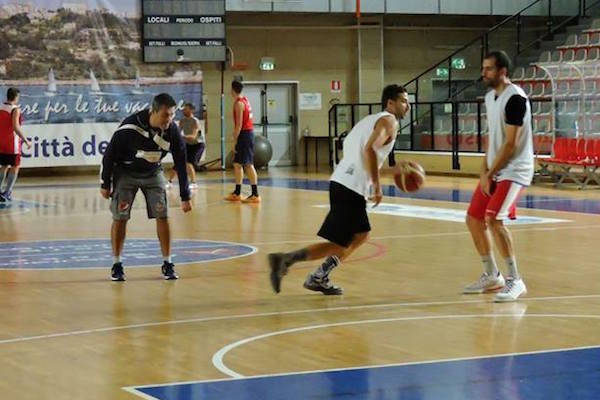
{"type": "Point", "coordinates": [277, 313]}
{"type": "Point", "coordinates": [219, 364]}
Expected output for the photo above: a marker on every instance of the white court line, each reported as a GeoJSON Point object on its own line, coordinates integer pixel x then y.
{"type": "Point", "coordinates": [106, 251]}
{"type": "Point", "coordinates": [254, 250]}
{"type": "Point", "coordinates": [132, 389]}
{"type": "Point", "coordinates": [439, 234]}
{"type": "Point", "coordinates": [277, 313]}
{"type": "Point", "coordinates": [219, 364]}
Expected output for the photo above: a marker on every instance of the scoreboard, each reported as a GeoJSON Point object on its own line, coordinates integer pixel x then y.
{"type": "Point", "coordinates": [183, 30]}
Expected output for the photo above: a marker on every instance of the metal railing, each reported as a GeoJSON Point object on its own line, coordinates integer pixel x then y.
{"type": "Point", "coordinates": [446, 126]}
{"type": "Point", "coordinates": [522, 43]}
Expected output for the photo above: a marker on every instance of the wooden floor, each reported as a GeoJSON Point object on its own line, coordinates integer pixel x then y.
{"type": "Point", "coordinates": [71, 333]}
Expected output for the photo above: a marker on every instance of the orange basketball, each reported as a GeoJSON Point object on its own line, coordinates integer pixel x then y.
{"type": "Point", "coordinates": [409, 176]}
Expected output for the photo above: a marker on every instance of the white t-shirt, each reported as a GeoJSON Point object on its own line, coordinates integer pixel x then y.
{"type": "Point", "coordinates": [352, 170]}
{"type": "Point", "coordinates": [520, 166]}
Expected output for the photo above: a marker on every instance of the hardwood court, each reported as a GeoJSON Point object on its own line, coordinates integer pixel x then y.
{"type": "Point", "coordinates": [71, 333]}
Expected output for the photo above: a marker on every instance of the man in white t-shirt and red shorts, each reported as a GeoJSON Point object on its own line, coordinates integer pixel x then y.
{"type": "Point", "coordinates": [506, 170]}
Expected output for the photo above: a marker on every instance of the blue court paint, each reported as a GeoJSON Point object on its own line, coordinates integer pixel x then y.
{"type": "Point", "coordinates": [7, 207]}
{"type": "Point", "coordinates": [553, 203]}
{"type": "Point", "coordinates": [571, 374]}
{"type": "Point", "coordinates": [96, 253]}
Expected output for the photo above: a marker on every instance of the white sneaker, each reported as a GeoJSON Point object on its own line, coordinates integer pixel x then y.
{"type": "Point", "coordinates": [168, 185]}
{"type": "Point", "coordinates": [511, 292]}
{"type": "Point", "coordinates": [485, 284]}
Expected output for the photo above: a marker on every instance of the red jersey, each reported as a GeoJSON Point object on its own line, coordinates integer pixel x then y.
{"type": "Point", "coordinates": [247, 117]}
{"type": "Point", "coordinates": [10, 142]}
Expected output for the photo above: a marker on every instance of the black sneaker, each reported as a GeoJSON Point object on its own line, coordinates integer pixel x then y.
{"type": "Point", "coordinates": [168, 271]}
{"type": "Point", "coordinates": [2, 198]}
{"type": "Point", "coordinates": [322, 285]}
{"type": "Point", "coordinates": [278, 270]}
{"type": "Point", "coordinates": [117, 273]}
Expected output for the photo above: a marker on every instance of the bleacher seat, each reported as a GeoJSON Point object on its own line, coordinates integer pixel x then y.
{"type": "Point", "coordinates": [580, 55]}
{"type": "Point", "coordinates": [545, 57]}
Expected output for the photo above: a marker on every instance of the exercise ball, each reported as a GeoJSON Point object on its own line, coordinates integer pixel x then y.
{"type": "Point", "coordinates": [263, 151]}
{"type": "Point", "coordinates": [229, 160]}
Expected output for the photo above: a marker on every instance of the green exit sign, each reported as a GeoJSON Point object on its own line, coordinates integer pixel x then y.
{"type": "Point", "coordinates": [267, 64]}
{"type": "Point", "coordinates": [458, 63]}
{"type": "Point", "coordinates": [442, 72]}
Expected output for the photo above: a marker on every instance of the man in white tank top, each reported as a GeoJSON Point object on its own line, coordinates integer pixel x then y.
{"type": "Point", "coordinates": [346, 227]}
{"type": "Point", "coordinates": [506, 170]}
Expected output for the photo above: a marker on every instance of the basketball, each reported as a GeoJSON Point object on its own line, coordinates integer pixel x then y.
{"type": "Point", "coordinates": [409, 176]}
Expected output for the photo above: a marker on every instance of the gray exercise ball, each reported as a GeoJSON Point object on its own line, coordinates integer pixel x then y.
{"type": "Point", "coordinates": [229, 160]}
{"type": "Point", "coordinates": [263, 151]}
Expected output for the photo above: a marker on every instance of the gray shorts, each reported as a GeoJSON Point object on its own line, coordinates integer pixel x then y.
{"type": "Point", "coordinates": [125, 189]}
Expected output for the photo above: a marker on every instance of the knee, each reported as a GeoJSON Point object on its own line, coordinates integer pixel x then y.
{"type": "Point", "coordinates": [495, 224]}
{"type": "Point", "coordinates": [473, 222]}
{"type": "Point", "coordinates": [120, 223]}
{"type": "Point", "coordinates": [361, 238]}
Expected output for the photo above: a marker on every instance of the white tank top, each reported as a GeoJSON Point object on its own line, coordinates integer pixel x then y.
{"type": "Point", "coordinates": [352, 171]}
{"type": "Point", "coordinates": [521, 164]}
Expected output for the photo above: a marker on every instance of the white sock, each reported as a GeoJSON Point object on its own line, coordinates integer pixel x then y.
{"type": "Point", "coordinates": [511, 263]}
{"type": "Point", "coordinates": [167, 259]}
{"type": "Point", "coordinates": [11, 178]}
{"type": "Point", "coordinates": [489, 264]}
{"type": "Point", "coordinates": [116, 259]}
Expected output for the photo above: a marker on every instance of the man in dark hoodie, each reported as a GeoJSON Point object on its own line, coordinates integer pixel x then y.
{"type": "Point", "coordinates": [132, 161]}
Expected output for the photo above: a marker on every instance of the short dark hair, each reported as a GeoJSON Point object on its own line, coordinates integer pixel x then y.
{"type": "Point", "coordinates": [501, 59]}
{"type": "Point", "coordinates": [163, 99]}
{"type": "Point", "coordinates": [237, 86]}
{"type": "Point", "coordinates": [190, 105]}
{"type": "Point", "coordinates": [12, 93]}
{"type": "Point", "coordinates": [391, 92]}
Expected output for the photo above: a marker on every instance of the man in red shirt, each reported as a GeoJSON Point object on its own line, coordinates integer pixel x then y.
{"type": "Point", "coordinates": [243, 145]}
{"type": "Point", "coordinates": [11, 138]}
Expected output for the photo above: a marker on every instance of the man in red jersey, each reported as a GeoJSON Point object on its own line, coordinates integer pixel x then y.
{"type": "Point", "coordinates": [243, 145]}
{"type": "Point", "coordinates": [11, 138]}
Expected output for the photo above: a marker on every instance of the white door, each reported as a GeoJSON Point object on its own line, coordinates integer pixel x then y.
{"type": "Point", "coordinates": [280, 123]}
{"type": "Point", "coordinates": [253, 93]}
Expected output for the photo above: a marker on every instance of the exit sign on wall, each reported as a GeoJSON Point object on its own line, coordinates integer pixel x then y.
{"type": "Point", "coordinates": [336, 87]}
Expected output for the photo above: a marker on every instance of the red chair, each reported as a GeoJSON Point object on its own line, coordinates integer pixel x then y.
{"type": "Point", "coordinates": [591, 164]}
{"type": "Point", "coordinates": [569, 160]}
{"type": "Point", "coordinates": [559, 151]}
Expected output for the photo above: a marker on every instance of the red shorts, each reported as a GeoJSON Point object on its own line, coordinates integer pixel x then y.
{"type": "Point", "coordinates": [501, 204]}
{"type": "Point", "coordinates": [13, 160]}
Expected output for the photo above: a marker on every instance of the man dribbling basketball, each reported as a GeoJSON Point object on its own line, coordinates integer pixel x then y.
{"type": "Point", "coordinates": [346, 227]}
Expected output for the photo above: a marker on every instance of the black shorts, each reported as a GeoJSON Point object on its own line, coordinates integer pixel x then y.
{"type": "Point", "coordinates": [347, 215]}
{"type": "Point", "coordinates": [244, 150]}
{"type": "Point", "coordinates": [194, 152]}
{"type": "Point", "coordinates": [14, 160]}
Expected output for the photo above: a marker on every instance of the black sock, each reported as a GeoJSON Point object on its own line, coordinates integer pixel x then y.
{"type": "Point", "coordinates": [238, 189]}
{"type": "Point", "coordinates": [254, 190]}
{"type": "Point", "coordinates": [324, 269]}
{"type": "Point", "coordinates": [296, 256]}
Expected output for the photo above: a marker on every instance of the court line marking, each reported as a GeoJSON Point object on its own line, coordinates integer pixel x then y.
{"type": "Point", "coordinates": [277, 313]}
{"type": "Point", "coordinates": [134, 389]}
{"type": "Point", "coordinates": [219, 364]}
{"type": "Point", "coordinates": [254, 250]}
{"type": "Point", "coordinates": [438, 234]}
{"type": "Point", "coordinates": [271, 184]}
